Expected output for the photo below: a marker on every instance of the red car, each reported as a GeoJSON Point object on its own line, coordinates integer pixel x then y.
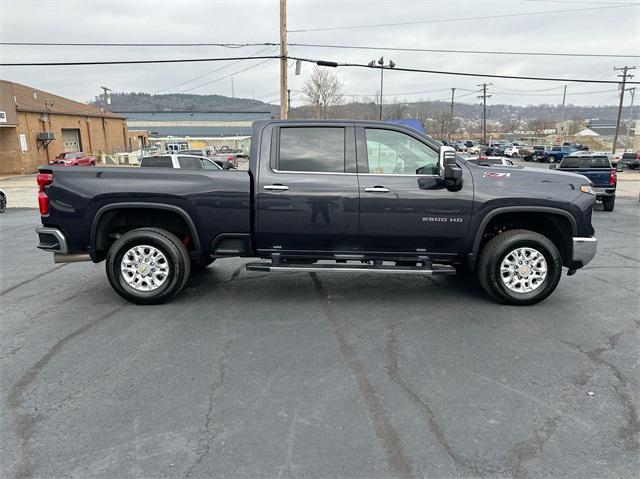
{"type": "Point", "coordinates": [74, 158]}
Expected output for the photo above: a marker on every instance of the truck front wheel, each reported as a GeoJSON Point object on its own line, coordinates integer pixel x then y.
{"type": "Point", "coordinates": [519, 267]}
{"type": "Point", "coordinates": [148, 266]}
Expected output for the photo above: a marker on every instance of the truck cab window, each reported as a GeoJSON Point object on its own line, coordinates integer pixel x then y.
{"type": "Point", "coordinates": [187, 162]}
{"type": "Point", "coordinates": [318, 149]}
{"type": "Point", "coordinates": [393, 152]}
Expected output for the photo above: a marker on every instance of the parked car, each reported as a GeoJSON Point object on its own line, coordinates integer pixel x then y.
{"type": "Point", "coordinates": [535, 153]}
{"type": "Point", "coordinates": [577, 146]}
{"type": "Point", "coordinates": [3, 202]}
{"type": "Point", "coordinates": [557, 153]}
{"type": "Point", "coordinates": [391, 201]}
{"type": "Point", "coordinates": [494, 150]}
{"type": "Point", "coordinates": [226, 161]}
{"type": "Point", "coordinates": [513, 151]}
{"type": "Point", "coordinates": [188, 162]}
{"type": "Point", "coordinates": [630, 160]}
{"type": "Point", "coordinates": [74, 158]}
{"type": "Point", "coordinates": [599, 170]}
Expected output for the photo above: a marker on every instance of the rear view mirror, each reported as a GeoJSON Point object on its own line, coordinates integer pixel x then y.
{"type": "Point", "coordinates": [449, 169]}
{"type": "Point", "coordinates": [553, 167]}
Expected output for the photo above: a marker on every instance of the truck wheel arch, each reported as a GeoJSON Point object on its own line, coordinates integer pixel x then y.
{"type": "Point", "coordinates": [506, 210]}
{"type": "Point", "coordinates": [193, 231]}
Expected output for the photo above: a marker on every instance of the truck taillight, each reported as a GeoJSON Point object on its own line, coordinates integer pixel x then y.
{"type": "Point", "coordinates": [230, 158]}
{"type": "Point", "coordinates": [613, 177]}
{"type": "Point", "coordinates": [43, 179]}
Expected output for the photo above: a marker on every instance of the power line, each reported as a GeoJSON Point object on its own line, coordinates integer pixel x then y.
{"type": "Point", "coordinates": [226, 76]}
{"type": "Point", "coordinates": [137, 62]}
{"type": "Point", "coordinates": [547, 94]}
{"type": "Point", "coordinates": [316, 61]}
{"type": "Point", "coordinates": [469, 74]}
{"type": "Point", "coordinates": [316, 45]}
{"type": "Point", "coordinates": [211, 72]}
{"type": "Point", "coordinates": [106, 44]}
{"type": "Point", "coordinates": [475, 52]}
{"type": "Point", "coordinates": [443, 20]}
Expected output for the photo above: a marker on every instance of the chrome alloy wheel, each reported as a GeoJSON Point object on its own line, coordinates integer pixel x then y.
{"type": "Point", "coordinates": [144, 268]}
{"type": "Point", "coordinates": [523, 270]}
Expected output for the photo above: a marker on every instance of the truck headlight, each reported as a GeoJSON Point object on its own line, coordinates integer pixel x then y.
{"type": "Point", "coordinates": [587, 189]}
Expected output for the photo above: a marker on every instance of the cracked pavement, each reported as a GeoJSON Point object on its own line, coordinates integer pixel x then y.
{"type": "Point", "coordinates": [295, 375]}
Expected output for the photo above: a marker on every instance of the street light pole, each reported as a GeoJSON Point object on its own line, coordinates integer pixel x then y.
{"type": "Point", "coordinates": [380, 62]}
{"type": "Point", "coordinates": [381, 83]}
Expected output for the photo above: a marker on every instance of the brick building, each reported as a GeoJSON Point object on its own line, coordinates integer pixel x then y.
{"type": "Point", "coordinates": [36, 126]}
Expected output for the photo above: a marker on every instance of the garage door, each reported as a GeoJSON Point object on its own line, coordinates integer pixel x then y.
{"type": "Point", "coordinates": [71, 139]}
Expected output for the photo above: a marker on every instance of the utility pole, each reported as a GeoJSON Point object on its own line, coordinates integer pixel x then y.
{"type": "Point", "coordinates": [107, 96]}
{"type": "Point", "coordinates": [625, 75]}
{"type": "Point", "coordinates": [453, 92]}
{"type": "Point", "coordinates": [283, 60]}
{"type": "Point", "coordinates": [484, 97]}
{"type": "Point", "coordinates": [626, 141]}
{"type": "Point", "coordinates": [564, 97]}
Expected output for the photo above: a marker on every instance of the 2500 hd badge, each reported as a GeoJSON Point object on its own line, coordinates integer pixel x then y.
{"type": "Point", "coordinates": [443, 219]}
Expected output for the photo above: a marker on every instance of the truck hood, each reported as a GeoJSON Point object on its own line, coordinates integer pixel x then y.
{"type": "Point", "coordinates": [524, 182]}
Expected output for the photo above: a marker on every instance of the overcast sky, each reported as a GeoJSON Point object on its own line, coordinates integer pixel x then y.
{"type": "Point", "coordinates": [589, 27]}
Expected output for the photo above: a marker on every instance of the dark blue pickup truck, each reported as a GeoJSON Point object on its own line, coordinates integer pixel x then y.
{"type": "Point", "coordinates": [600, 172]}
{"type": "Point", "coordinates": [339, 196]}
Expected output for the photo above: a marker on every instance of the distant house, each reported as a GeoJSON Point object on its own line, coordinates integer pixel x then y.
{"type": "Point", "coordinates": [220, 123]}
{"type": "Point", "coordinates": [608, 127]}
{"type": "Point", "coordinates": [36, 125]}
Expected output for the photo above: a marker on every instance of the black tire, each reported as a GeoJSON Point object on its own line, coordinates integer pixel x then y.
{"type": "Point", "coordinates": [3, 203]}
{"type": "Point", "coordinates": [499, 247]}
{"type": "Point", "coordinates": [177, 257]}
{"type": "Point", "coordinates": [609, 203]}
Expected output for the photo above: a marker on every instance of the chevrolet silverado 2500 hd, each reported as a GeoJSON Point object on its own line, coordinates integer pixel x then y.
{"type": "Point", "coordinates": [340, 196]}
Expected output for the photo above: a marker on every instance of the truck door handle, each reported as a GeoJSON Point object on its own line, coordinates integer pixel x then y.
{"type": "Point", "coordinates": [276, 187]}
{"type": "Point", "coordinates": [377, 189]}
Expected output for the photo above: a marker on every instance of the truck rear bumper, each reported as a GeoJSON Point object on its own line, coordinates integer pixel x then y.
{"type": "Point", "coordinates": [52, 239]}
{"type": "Point", "coordinates": [584, 249]}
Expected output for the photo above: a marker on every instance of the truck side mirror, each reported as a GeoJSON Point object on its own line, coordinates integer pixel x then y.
{"type": "Point", "coordinates": [553, 167]}
{"type": "Point", "coordinates": [449, 169]}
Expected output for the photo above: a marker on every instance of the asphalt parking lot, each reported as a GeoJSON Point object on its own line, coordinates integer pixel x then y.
{"type": "Point", "coordinates": [294, 375]}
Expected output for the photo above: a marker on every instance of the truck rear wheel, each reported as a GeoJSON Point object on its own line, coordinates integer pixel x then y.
{"type": "Point", "coordinates": [148, 266]}
{"type": "Point", "coordinates": [608, 203]}
{"type": "Point", "coordinates": [519, 267]}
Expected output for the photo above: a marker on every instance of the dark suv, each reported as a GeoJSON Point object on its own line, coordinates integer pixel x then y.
{"type": "Point", "coordinates": [630, 159]}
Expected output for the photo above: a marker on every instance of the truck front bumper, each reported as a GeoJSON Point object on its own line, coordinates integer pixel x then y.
{"type": "Point", "coordinates": [584, 249]}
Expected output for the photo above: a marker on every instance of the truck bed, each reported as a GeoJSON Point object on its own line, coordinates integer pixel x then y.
{"type": "Point", "coordinates": [78, 193]}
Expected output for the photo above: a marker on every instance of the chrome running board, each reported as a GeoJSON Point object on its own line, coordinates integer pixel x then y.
{"type": "Point", "coordinates": [434, 269]}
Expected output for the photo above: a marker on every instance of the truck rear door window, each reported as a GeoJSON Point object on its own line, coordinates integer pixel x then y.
{"type": "Point", "coordinates": [188, 163]}
{"type": "Point", "coordinates": [316, 149]}
{"type": "Point", "coordinates": [157, 161]}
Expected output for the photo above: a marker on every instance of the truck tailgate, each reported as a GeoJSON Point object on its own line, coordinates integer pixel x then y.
{"type": "Point", "coordinates": [599, 177]}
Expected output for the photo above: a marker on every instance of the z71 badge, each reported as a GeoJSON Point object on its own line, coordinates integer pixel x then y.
{"type": "Point", "coordinates": [495, 174]}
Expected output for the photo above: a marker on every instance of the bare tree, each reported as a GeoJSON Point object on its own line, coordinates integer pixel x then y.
{"type": "Point", "coordinates": [323, 90]}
